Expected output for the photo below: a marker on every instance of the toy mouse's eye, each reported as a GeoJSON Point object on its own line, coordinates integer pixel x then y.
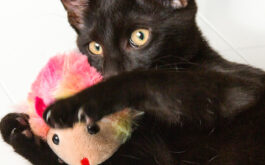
{"type": "Point", "coordinates": [56, 139]}
{"type": "Point", "coordinates": [139, 37]}
{"type": "Point", "coordinates": [95, 48]}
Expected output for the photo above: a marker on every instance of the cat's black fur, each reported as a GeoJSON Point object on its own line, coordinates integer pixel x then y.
{"type": "Point", "coordinates": [199, 108]}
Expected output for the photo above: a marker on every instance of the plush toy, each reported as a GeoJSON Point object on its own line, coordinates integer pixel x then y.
{"type": "Point", "coordinates": [63, 76]}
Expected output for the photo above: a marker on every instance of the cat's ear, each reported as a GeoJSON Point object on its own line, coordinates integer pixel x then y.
{"type": "Point", "coordinates": [176, 4]}
{"type": "Point", "coordinates": [75, 10]}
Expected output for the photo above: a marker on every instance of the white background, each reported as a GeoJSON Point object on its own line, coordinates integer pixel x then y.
{"type": "Point", "coordinates": [31, 31]}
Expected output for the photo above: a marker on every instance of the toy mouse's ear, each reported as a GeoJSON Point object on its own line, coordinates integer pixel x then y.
{"type": "Point", "coordinates": [39, 106]}
{"type": "Point", "coordinates": [75, 10]}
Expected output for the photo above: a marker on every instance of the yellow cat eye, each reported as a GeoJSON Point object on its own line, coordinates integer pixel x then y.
{"type": "Point", "coordinates": [95, 48]}
{"type": "Point", "coordinates": [139, 37]}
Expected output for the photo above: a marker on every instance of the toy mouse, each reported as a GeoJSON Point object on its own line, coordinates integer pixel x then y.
{"type": "Point", "coordinates": [63, 76]}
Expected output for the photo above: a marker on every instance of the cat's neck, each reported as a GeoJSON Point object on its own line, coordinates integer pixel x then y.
{"type": "Point", "coordinates": [198, 53]}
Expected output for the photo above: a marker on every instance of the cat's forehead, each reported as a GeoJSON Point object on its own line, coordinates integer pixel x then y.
{"type": "Point", "coordinates": [103, 13]}
{"type": "Point", "coordinates": [114, 7]}
{"type": "Point", "coordinates": [108, 5]}
{"type": "Point", "coordinates": [121, 11]}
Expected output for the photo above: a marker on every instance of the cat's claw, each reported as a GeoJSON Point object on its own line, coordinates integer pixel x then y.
{"type": "Point", "coordinates": [64, 113]}
{"type": "Point", "coordinates": [15, 125]}
{"type": "Point", "coordinates": [61, 114]}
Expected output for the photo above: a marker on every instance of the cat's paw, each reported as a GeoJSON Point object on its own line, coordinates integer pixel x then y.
{"type": "Point", "coordinates": [15, 128]}
{"type": "Point", "coordinates": [64, 113]}
{"type": "Point", "coordinates": [61, 114]}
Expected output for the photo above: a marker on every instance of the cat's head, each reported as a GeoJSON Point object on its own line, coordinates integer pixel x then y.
{"type": "Point", "coordinates": [125, 35]}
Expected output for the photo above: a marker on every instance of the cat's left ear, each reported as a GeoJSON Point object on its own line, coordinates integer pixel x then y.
{"type": "Point", "coordinates": [176, 4]}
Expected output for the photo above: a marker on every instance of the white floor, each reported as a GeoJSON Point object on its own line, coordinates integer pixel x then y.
{"type": "Point", "coordinates": [32, 31]}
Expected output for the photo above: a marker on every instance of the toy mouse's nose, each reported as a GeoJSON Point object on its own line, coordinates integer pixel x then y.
{"type": "Point", "coordinates": [93, 129]}
{"type": "Point", "coordinates": [85, 161]}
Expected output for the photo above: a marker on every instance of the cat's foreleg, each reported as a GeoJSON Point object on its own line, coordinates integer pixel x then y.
{"type": "Point", "coordinates": [169, 96]}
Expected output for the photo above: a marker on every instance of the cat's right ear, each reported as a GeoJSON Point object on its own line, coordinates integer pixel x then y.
{"type": "Point", "coordinates": [76, 10]}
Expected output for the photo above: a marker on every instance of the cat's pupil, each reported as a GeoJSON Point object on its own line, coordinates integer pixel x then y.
{"type": "Point", "coordinates": [140, 35]}
{"type": "Point", "coordinates": [97, 47]}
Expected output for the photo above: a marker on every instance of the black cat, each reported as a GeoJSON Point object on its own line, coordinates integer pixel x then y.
{"type": "Point", "coordinates": [199, 108]}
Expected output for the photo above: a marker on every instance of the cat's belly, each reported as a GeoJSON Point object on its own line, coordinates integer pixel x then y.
{"type": "Point", "coordinates": [239, 140]}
